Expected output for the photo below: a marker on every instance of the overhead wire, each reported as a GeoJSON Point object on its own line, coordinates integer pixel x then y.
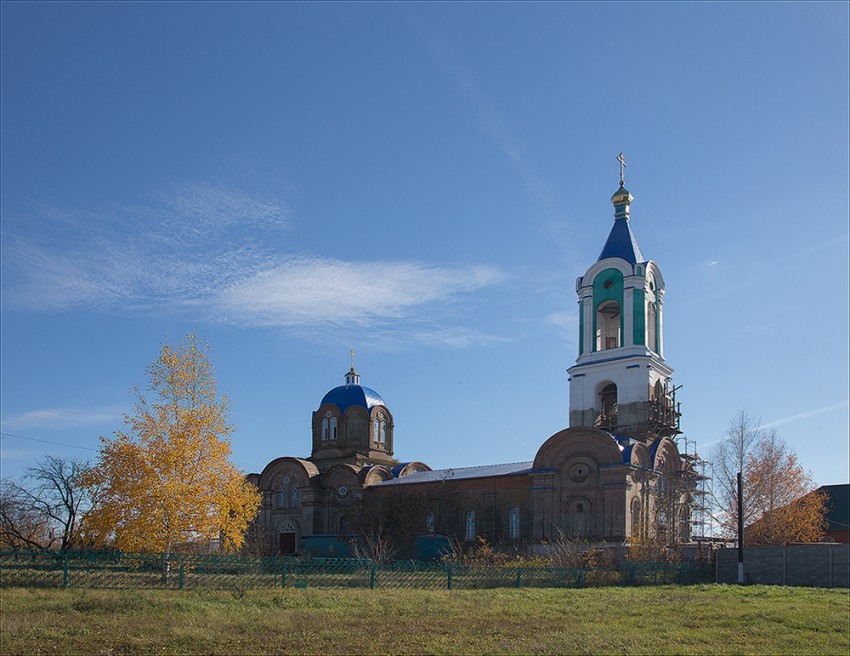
{"type": "Point", "coordinates": [4, 435]}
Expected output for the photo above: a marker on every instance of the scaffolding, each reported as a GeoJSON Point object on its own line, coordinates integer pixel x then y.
{"type": "Point", "coordinates": [695, 482]}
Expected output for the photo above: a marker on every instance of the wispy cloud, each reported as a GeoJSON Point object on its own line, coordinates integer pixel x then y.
{"type": "Point", "coordinates": [807, 414]}
{"type": "Point", "coordinates": [493, 125]}
{"type": "Point", "coordinates": [25, 455]}
{"type": "Point", "coordinates": [563, 319]}
{"type": "Point", "coordinates": [213, 252]}
{"type": "Point", "coordinates": [455, 337]}
{"type": "Point", "coordinates": [318, 290]}
{"type": "Point", "coordinates": [60, 418]}
{"type": "Point", "coordinates": [756, 279]}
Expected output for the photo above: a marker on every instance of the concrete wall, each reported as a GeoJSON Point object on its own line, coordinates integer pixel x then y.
{"type": "Point", "coordinates": [821, 565]}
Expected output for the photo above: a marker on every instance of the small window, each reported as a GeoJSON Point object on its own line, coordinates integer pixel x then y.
{"type": "Point", "coordinates": [651, 323]}
{"type": "Point", "coordinates": [332, 428]}
{"type": "Point", "coordinates": [469, 527]}
{"type": "Point", "coordinates": [294, 497]}
{"type": "Point", "coordinates": [429, 522]}
{"type": "Point", "coordinates": [513, 523]}
{"type": "Point", "coordinates": [280, 502]}
{"type": "Point", "coordinates": [379, 429]}
{"type": "Point", "coordinates": [635, 517]}
{"type": "Point", "coordinates": [324, 430]}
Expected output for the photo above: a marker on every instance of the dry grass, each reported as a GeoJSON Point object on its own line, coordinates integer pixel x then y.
{"type": "Point", "coordinates": [658, 620]}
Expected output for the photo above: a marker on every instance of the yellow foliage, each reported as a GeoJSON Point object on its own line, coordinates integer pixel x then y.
{"type": "Point", "coordinates": [169, 479]}
{"type": "Point", "coordinates": [780, 492]}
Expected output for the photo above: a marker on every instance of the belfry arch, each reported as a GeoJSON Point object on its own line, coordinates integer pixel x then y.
{"type": "Point", "coordinates": [608, 326]}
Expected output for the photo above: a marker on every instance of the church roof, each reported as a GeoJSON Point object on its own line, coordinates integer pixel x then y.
{"type": "Point", "coordinates": [460, 473]}
{"type": "Point", "coordinates": [346, 396]}
{"type": "Point", "coordinates": [622, 243]}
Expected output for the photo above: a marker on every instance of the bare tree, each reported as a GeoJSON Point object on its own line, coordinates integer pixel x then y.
{"type": "Point", "coordinates": [782, 496]}
{"type": "Point", "coordinates": [729, 457]}
{"type": "Point", "coordinates": [257, 540]}
{"type": "Point", "coordinates": [44, 510]}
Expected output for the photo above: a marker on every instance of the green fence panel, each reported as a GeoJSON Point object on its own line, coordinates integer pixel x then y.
{"type": "Point", "coordinates": [90, 569]}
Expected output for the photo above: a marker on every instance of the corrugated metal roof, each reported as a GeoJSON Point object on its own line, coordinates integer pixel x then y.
{"type": "Point", "coordinates": [461, 473]}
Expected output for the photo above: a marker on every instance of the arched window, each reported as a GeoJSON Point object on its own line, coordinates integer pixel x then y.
{"type": "Point", "coordinates": [332, 435]}
{"type": "Point", "coordinates": [280, 500]}
{"type": "Point", "coordinates": [513, 523]}
{"type": "Point", "coordinates": [607, 407]}
{"type": "Point", "coordinates": [470, 531]}
{"type": "Point", "coordinates": [379, 429]}
{"type": "Point", "coordinates": [684, 525]}
{"type": "Point", "coordinates": [651, 321]}
{"type": "Point", "coordinates": [608, 326]}
{"type": "Point", "coordinates": [579, 518]}
{"type": "Point", "coordinates": [635, 517]}
{"type": "Point", "coordinates": [343, 525]}
{"type": "Point", "coordinates": [294, 497]}
{"type": "Point", "coordinates": [429, 522]}
{"type": "Point", "coordinates": [661, 485]}
{"type": "Point", "coordinates": [324, 430]}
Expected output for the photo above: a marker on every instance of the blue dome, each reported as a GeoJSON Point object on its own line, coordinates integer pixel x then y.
{"type": "Point", "coordinates": [346, 396]}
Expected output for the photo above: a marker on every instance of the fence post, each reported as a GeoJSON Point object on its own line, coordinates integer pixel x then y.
{"type": "Point", "coordinates": [64, 570]}
{"type": "Point", "coordinates": [372, 577]}
{"type": "Point", "coordinates": [830, 565]}
{"type": "Point", "coordinates": [283, 575]}
{"type": "Point", "coordinates": [182, 573]}
{"type": "Point", "coordinates": [449, 576]}
{"type": "Point", "coordinates": [519, 577]}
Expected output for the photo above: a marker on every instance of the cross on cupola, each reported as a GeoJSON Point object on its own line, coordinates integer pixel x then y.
{"type": "Point", "coordinates": [352, 377]}
{"type": "Point", "coordinates": [622, 198]}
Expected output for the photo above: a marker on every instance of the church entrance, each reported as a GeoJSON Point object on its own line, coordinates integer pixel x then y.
{"type": "Point", "coordinates": [287, 539]}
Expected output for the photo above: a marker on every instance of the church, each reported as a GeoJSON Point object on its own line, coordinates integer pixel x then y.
{"type": "Point", "coordinates": [613, 475]}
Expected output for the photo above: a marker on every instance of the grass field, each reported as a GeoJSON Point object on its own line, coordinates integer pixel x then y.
{"type": "Point", "coordinates": [652, 620]}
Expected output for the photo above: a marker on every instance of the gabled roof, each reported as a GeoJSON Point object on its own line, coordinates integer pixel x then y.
{"type": "Point", "coordinates": [621, 243]}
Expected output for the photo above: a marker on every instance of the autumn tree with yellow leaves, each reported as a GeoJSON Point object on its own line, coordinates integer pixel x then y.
{"type": "Point", "coordinates": [168, 480]}
{"type": "Point", "coordinates": [779, 500]}
{"type": "Point", "coordinates": [787, 507]}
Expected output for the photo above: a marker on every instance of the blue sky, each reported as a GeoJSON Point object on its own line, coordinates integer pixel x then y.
{"type": "Point", "coordinates": [422, 183]}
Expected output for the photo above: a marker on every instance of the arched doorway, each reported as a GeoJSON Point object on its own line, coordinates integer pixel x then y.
{"type": "Point", "coordinates": [287, 538]}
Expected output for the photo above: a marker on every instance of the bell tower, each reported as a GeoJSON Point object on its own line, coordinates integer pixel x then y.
{"type": "Point", "coordinates": [620, 381]}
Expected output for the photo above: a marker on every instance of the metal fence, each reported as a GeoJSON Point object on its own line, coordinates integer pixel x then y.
{"type": "Point", "coordinates": [101, 569]}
